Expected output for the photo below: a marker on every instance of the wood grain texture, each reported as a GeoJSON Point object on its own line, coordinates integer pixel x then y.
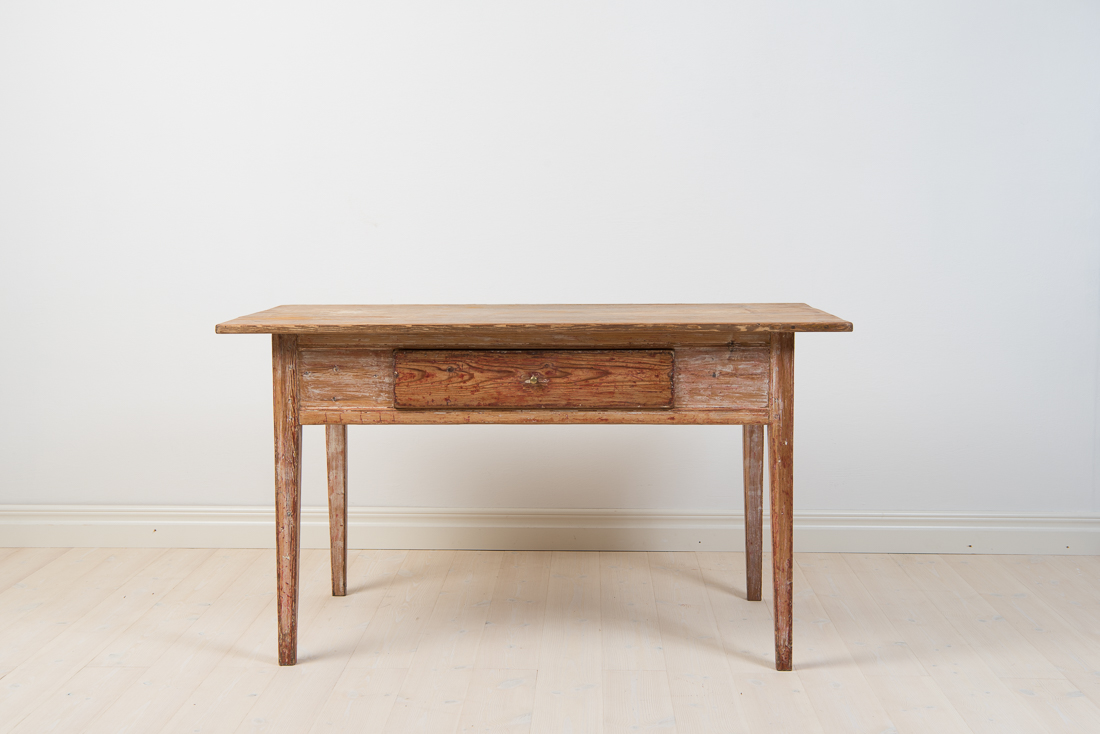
{"type": "Point", "coordinates": [626, 588]}
{"type": "Point", "coordinates": [198, 627]}
{"type": "Point", "coordinates": [732, 377]}
{"type": "Point", "coordinates": [524, 321]}
{"type": "Point", "coordinates": [584, 380]}
{"type": "Point", "coordinates": [1005, 651]}
{"type": "Point", "coordinates": [513, 629]}
{"type": "Point", "coordinates": [781, 454]}
{"type": "Point", "coordinates": [1069, 648]}
{"type": "Point", "coordinates": [568, 691]}
{"type": "Point", "coordinates": [983, 700]}
{"type": "Point", "coordinates": [346, 379]}
{"type": "Point", "coordinates": [752, 447]}
{"type": "Point", "coordinates": [671, 364]}
{"type": "Point", "coordinates": [771, 701]}
{"type": "Point", "coordinates": [336, 444]}
{"type": "Point", "coordinates": [288, 490]}
{"type": "Point", "coordinates": [637, 700]}
{"type": "Point", "coordinates": [82, 638]}
{"type": "Point", "coordinates": [840, 693]}
{"type": "Point", "coordinates": [668, 417]}
{"type": "Point", "coordinates": [874, 643]}
{"type": "Point", "coordinates": [486, 337]}
{"type": "Point", "coordinates": [342, 380]}
{"type": "Point", "coordinates": [498, 702]}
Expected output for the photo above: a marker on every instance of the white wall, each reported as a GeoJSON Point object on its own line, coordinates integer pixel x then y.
{"type": "Point", "coordinates": [927, 170]}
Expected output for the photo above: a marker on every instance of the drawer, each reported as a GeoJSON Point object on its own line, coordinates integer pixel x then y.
{"type": "Point", "coordinates": [578, 379]}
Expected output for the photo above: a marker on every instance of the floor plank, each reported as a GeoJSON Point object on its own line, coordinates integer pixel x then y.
{"type": "Point", "coordinates": [52, 665]}
{"type": "Point", "coordinates": [143, 642]}
{"type": "Point", "coordinates": [705, 705]}
{"type": "Point", "coordinates": [637, 700]}
{"type": "Point", "coordinates": [432, 695]}
{"type": "Point", "coordinates": [499, 702]}
{"type": "Point", "coordinates": [167, 684]}
{"type": "Point", "coordinates": [173, 641]}
{"type": "Point", "coordinates": [393, 633]}
{"type": "Point", "coordinates": [48, 615]}
{"type": "Point", "coordinates": [1073, 595]}
{"type": "Point", "coordinates": [982, 699]}
{"type": "Point", "coordinates": [872, 640]}
{"type": "Point", "coordinates": [631, 638]}
{"type": "Point", "coordinates": [1058, 704]}
{"type": "Point", "coordinates": [19, 563]}
{"type": "Point", "coordinates": [361, 701]}
{"type": "Point", "coordinates": [1074, 655]}
{"type": "Point", "coordinates": [569, 689]}
{"type": "Point", "coordinates": [845, 703]}
{"type": "Point", "coordinates": [1007, 653]}
{"type": "Point", "coordinates": [79, 699]}
{"type": "Point", "coordinates": [917, 705]}
{"type": "Point", "coordinates": [39, 587]}
{"type": "Point", "coordinates": [330, 629]}
{"type": "Point", "coordinates": [767, 699]}
{"type": "Point", "coordinates": [513, 629]}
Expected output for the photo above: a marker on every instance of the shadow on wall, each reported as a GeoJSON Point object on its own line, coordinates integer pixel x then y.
{"type": "Point", "coordinates": [534, 466]}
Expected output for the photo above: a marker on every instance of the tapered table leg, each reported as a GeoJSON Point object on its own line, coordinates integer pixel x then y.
{"type": "Point", "coordinates": [336, 440]}
{"type": "Point", "coordinates": [752, 441]}
{"type": "Point", "coordinates": [288, 490]}
{"type": "Point", "coordinates": [781, 454]}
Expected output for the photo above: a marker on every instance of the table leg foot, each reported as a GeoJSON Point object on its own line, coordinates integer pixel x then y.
{"type": "Point", "coordinates": [336, 440]}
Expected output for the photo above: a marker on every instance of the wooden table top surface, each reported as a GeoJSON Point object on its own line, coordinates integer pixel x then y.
{"type": "Point", "coordinates": [740, 317]}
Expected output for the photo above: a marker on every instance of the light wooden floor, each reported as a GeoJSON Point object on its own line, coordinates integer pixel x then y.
{"type": "Point", "coordinates": [145, 641]}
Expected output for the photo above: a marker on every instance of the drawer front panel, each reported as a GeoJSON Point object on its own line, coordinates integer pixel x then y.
{"type": "Point", "coordinates": [544, 379]}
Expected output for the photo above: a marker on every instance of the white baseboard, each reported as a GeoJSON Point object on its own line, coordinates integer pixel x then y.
{"type": "Point", "coordinates": [544, 529]}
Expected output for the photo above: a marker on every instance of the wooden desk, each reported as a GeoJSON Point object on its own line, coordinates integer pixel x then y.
{"type": "Point", "coordinates": [658, 364]}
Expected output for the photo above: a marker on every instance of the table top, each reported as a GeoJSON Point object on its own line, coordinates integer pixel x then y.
{"type": "Point", "coordinates": [739, 317]}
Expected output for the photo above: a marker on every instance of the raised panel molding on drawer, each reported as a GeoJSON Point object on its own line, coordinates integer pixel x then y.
{"type": "Point", "coordinates": [538, 379]}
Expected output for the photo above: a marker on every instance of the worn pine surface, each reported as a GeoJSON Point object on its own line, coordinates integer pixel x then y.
{"type": "Point", "coordinates": [580, 379]}
{"type": "Point", "coordinates": [336, 449]}
{"type": "Point", "coordinates": [346, 379]}
{"type": "Point", "coordinates": [781, 491]}
{"type": "Point", "coordinates": [139, 640]}
{"type": "Point", "coordinates": [752, 451]}
{"type": "Point", "coordinates": [342, 383]}
{"type": "Point", "coordinates": [668, 417]}
{"type": "Point", "coordinates": [288, 486]}
{"type": "Point", "coordinates": [448, 325]}
{"type": "Point", "coordinates": [717, 378]}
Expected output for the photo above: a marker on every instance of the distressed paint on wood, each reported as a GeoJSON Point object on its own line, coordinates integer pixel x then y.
{"type": "Point", "coordinates": [347, 351]}
{"type": "Point", "coordinates": [781, 454]}
{"type": "Point", "coordinates": [717, 378]}
{"type": "Point", "coordinates": [450, 322]}
{"type": "Point", "coordinates": [336, 443]}
{"type": "Point", "coordinates": [347, 379]}
{"type": "Point", "coordinates": [288, 490]}
{"type": "Point", "coordinates": [483, 337]}
{"type": "Point", "coordinates": [575, 380]}
{"type": "Point", "coordinates": [752, 444]}
{"type": "Point", "coordinates": [669, 417]}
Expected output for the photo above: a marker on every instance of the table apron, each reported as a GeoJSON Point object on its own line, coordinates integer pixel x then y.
{"type": "Point", "coordinates": [711, 385]}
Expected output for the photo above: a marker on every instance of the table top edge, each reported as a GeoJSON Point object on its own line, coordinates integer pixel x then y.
{"type": "Point", "coordinates": [517, 319]}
